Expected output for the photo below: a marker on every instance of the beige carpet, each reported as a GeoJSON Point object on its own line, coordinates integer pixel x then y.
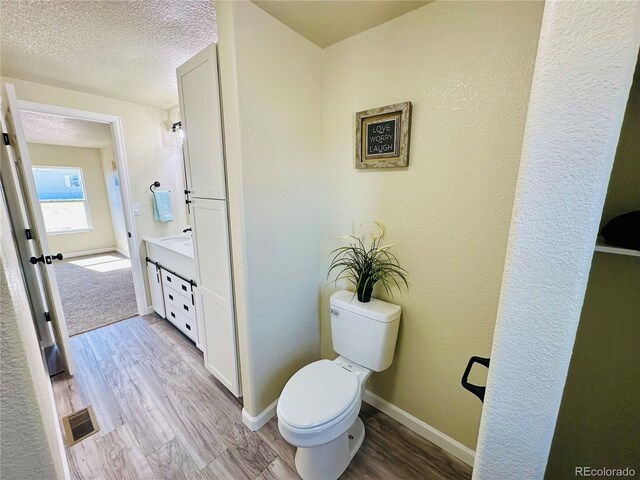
{"type": "Point", "coordinates": [96, 290]}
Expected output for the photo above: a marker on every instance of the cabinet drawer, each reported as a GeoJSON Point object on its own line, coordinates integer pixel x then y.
{"type": "Point", "coordinates": [175, 282]}
{"type": "Point", "coordinates": [181, 303]}
{"type": "Point", "coordinates": [185, 324]}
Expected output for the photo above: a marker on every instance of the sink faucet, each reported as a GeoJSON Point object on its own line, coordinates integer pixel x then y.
{"type": "Point", "coordinates": [187, 230]}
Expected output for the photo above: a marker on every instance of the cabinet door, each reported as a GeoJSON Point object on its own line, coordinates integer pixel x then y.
{"type": "Point", "coordinates": [215, 294]}
{"type": "Point", "coordinates": [155, 285]}
{"type": "Point", "coordinates": [202, 125]}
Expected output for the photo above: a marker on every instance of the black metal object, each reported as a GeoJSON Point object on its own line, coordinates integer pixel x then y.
{"type": "Point", "coordinates": [36, 260]}
{"type": "Point", "coordinates": [48, 259]}
{"type": "Point", "coordinates": [27, 232]}
{"type": "Point", "coordinates": [187, 230]}
{"type": "Point", "coordinates": [175, 126]}
{"type": "Point", "coordinates": [477, 390]}
{"type": "Point", "coordinates": [5, 138]}
{"type": "Point", "coordinates": [158, 265]}
{"type": "Point", "coordinates": [155, 184]}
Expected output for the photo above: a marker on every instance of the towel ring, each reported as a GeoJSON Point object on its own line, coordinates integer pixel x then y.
{"type": "Point", "coordinates": [154, 184]}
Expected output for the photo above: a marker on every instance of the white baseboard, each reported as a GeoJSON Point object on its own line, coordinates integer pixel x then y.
{"type": "Point", "coordinates": [256, 423]}
{"type": "Point", "coordinates": [89, 252]}
{"type": "Point", "coordinates": [435, 436]}
{"type": "Point", "coordinates": [122, 252]}
{"type": "Point", "coordinates": [149, 310]}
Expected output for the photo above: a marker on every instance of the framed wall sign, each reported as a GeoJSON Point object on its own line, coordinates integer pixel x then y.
{"type": "Point", "coordinates": [382, 136]}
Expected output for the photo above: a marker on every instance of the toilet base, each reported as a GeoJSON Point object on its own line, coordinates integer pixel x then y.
{"type": "Point", "coordinates": [329, 461]}
{"type": "Point", "coordinates": [356, 437]}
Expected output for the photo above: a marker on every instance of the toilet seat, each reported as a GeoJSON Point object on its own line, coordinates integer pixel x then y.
{"type": "Point", "coordinates": [318, 394]}
{"type": "Point", "coordinates": [318, 404]}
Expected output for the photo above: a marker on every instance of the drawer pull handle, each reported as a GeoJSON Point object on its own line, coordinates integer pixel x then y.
{"type": "Point", "coordinates": [168, 278]}
{"type": "Point", "coordinates": [173, 314]}
{"type": "Point", "coordinates": [188, 326]}
{"type": "Point", "coordinates": [184, 288]}
{"type": "Point", "coordinates": [185, 307]}
{"type": "Point", "coordinates": [170, 297]}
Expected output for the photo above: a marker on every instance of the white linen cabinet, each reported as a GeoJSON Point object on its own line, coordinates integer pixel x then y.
{"type": "Point", "coordinates": [201, 118]}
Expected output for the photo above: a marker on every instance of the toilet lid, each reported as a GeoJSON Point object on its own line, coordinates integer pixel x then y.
{"type": "Point", "coordinates": [317, 394]}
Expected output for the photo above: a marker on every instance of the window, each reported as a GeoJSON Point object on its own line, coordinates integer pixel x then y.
{"type": "Point", "coordinates": [62, 198]}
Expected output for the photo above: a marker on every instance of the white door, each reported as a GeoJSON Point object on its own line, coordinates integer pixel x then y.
{"type": "Point", "coordinates": [25, 246]}
{"type": "Point", "coordinates": [42, 259]}
{"type": "Point", "coordinates": [215, 293]}
{"type": "Point", "coordinates": [201, 120]}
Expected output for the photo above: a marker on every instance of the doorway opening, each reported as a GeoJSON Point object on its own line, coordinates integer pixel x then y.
{"type": "Point", "coordinates": [78, 187]}
{"type": "Point", "coordinates": [74, 203]}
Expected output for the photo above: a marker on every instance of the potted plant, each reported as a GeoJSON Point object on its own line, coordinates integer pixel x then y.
{"type": "Point", "coordinates": [364, 267]}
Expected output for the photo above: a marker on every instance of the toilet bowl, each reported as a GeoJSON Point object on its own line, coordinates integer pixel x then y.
{"type": "Point", "coordinates": [318, 413]}
{"type": "Point", "coordinates": [319, 406]}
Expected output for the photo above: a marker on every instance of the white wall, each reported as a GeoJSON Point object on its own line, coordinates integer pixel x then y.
{"type": "Point", "coordinates": [101, 235]}
{"type": "Point", "coordinates": [149, 156]}
{"type": "Point", "coordinates": [609, 369]}
{"type": "Point", "coordinates": [467, 68]}
{"type": "Point", "coordinates": [272, 112]}
{"type": "Point", "coordinates": [31, 441]}
{"type": "Point", "coordinates": [114, 195]}
{"type": "Point", "coordinates": [584, 68]}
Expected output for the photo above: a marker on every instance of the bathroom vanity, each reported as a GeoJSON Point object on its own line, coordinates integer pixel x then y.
{"type": "Point", "coordinates": [171, 270]}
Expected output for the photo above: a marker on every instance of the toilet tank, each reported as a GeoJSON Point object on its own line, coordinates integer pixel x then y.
{"type": "Point", "coordinates": [365, 333]}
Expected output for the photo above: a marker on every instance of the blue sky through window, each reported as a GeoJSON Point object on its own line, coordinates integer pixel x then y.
{"type": "Point", "coordinates": [59, 184]}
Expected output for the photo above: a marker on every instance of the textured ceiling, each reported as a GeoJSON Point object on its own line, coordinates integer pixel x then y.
{"type": "Point", "coordinates": [120, 49]}
{"type": "Point", "coordinates": [55, 130]}
{"type": "Point", "coordinates": [328, 22]}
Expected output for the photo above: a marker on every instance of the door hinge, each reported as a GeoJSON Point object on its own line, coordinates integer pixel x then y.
{"type": "Point", "coordinates": [28, 234]}
{"type": "Point", "coordinates": [129, 233]}
{"type": "Point", "coordinates": [47, 317]}
{"type": "Point", "coordinates": [5, 138]}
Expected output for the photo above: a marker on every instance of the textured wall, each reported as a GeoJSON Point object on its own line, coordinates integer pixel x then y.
{"type": "Point", "coordinates": [31, 441]}
{"type": "Point", "coordinates": [605, 361]}
{"type": "Point", "coordinates": [149, 156]}
{"type": "Point", "coordinates": [101, 234]}
{"type": "Point", "coordinates": [467, 68]}
{"type": "Point", "coordinates": [583, 73]}
{"type": "Point", "coordinates": [272, 113]}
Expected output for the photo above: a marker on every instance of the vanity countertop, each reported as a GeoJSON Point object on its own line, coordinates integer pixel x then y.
{"type": "Point", "coordinates": [174, 253]}
{"type": "Point", "coordinates": [182, 244]}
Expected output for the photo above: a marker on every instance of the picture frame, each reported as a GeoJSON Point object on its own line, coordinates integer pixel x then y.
{"type": "Point", "coordinates": [383, 136]}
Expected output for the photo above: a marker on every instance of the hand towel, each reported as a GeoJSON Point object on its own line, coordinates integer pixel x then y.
{"type": "Point", "coordinates": [162, 210]}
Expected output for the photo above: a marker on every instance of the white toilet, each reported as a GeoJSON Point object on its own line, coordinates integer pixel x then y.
{"type": "Point", "coordinates": [318, 408]}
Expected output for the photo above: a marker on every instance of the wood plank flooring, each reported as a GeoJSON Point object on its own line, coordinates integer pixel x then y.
{"type": "Point", "coordinates": [163, 416]}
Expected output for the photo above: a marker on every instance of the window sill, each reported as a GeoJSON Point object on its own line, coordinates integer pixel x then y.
{"type": "Point", "coordinates": [66, 232]}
